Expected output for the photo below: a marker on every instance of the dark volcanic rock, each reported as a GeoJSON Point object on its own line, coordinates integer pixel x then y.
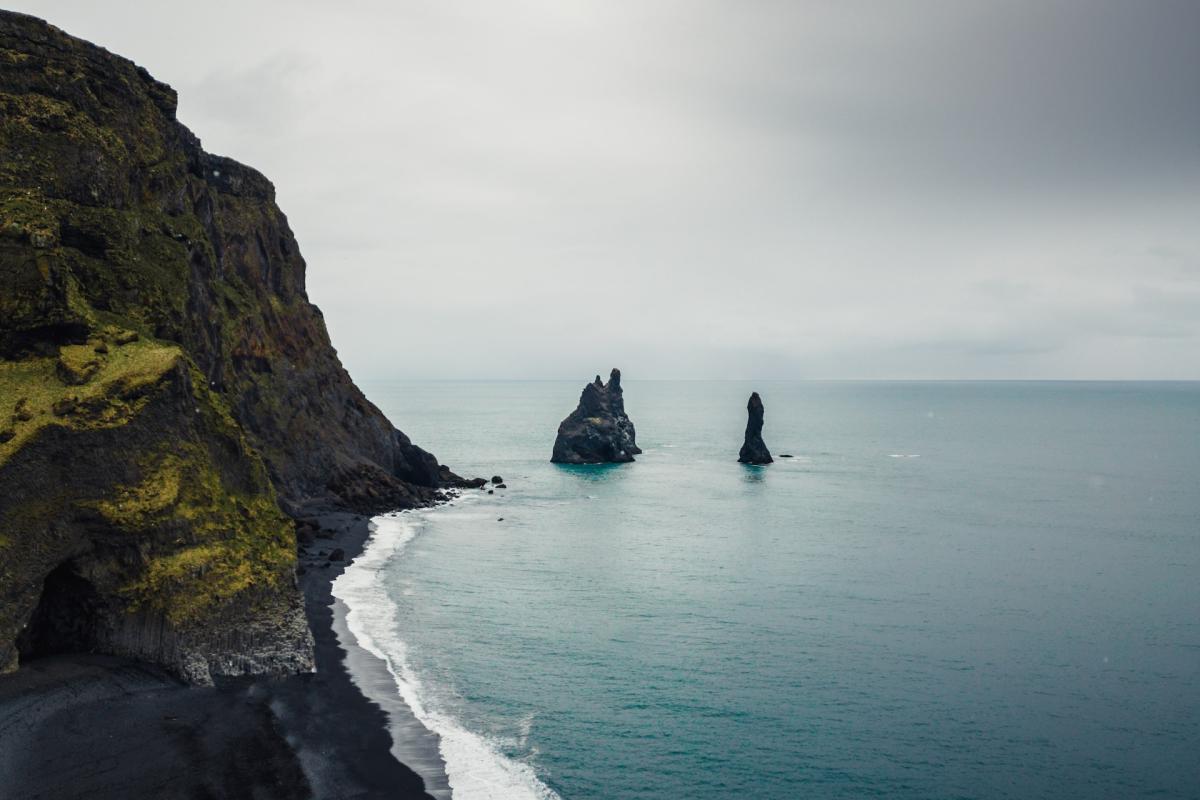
{"type": "Point", "coordinates": [449, 479]}
{"type": "Point", "coordinates": [598, 431]}
{"type": "Point", "coordinates": [754, 451]}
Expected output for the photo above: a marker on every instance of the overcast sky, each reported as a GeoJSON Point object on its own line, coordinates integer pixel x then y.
{"type": "Point", "coordinates": [691, 189]}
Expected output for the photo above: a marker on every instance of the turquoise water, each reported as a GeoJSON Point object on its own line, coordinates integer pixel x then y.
{"type": "Point", "coordinates": [953, 590]}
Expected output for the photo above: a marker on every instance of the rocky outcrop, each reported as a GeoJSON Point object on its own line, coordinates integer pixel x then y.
{"type": "Point", "coordinates": [754, 450]}
{"type": "Point", "coordinates": [598, 431]}
{"type": "Point", "coordinates": [166, 388]}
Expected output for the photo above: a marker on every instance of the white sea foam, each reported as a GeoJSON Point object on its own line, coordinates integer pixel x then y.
{"type": "Point", "coordinates": [477, 770]}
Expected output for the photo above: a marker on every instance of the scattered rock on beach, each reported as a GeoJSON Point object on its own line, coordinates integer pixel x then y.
{"type": "Point", "coordinates": [338, 555]}
{"type": "Point", "coordinates": [306, 531]}
{"type": "Point", "coordinates": [497, 479]}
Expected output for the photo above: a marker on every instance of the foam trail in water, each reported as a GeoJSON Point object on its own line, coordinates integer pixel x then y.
{"type": "Point", "coordinates": [477, 770]}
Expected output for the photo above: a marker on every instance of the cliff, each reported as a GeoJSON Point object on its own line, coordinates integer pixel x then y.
{"type": "Point", "coordinates": [598, 430]}
{"type": "Point", "coordinates": [167, 391]}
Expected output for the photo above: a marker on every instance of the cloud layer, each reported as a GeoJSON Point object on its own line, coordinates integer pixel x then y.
{"type": "Point", "coordinates": [539, 188]}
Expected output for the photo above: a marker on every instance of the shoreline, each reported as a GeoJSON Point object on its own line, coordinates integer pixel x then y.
{"type": "Point", "coordinates": [102, 727]}
{"type": "Point", "coordinates": [413, 744]}
{"type": "Point", "coordinates": [474, 764]}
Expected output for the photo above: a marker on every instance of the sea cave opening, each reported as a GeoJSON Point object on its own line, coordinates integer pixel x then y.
{"type": "Point", "coordinates": [64, 619]}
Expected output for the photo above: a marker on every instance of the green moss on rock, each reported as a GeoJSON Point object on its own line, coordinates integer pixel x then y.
{"type": "Point", "coordinates": [34, 394]}
{"type": "Point", "coordinates": [235, 542]}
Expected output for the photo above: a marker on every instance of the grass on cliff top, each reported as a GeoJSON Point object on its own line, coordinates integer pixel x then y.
{"type": "Point", "coordinates": [34, 393]}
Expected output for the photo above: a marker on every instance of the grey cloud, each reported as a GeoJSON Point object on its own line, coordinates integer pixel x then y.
{"type": "Point", "coordinates": [1181, 263]}
{"type": "Point", "coordinates": [261, 99]}
{"type": "Point", "coordinates": [695, 188]}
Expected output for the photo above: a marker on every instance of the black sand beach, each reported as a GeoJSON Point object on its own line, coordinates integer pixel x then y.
{"type": "Point", "coordinates": [98, 727]}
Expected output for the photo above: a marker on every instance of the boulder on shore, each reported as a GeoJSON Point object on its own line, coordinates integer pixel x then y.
{"type": "Point", "coordinates": [598, 431]}
{"type": "Point", "coordinates": [754, 449]}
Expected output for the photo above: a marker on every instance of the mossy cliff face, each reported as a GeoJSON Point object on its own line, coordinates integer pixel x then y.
{"type": "Point", "coordinates": [165, 385]}
{"type": "Point", "coordinates": [136, 520]}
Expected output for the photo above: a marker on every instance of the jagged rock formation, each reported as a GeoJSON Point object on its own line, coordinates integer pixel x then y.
{"type": "Point", "coordinates": [165, 385]}
{"type": "Point", "coordinates": [598, 431]}
{"type": "Point", "coordinates": [754, 450]}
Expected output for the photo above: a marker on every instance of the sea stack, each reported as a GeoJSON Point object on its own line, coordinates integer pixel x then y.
{"type": "Point", "coordinates": [754, 450]}
{"type": "Point", "coordinates": [598, 431]}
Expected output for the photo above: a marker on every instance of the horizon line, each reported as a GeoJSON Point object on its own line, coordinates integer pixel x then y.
{"type": "Point", "coordinates": [626, 379]}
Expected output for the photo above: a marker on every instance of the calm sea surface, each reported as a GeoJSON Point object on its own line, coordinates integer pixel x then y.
{"type": "Point", "coordinates": [954, 590]}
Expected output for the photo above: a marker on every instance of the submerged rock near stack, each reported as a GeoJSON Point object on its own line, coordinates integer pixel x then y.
{"type": "Point", "coordinates": [754, 449]}
{"type": "Point", "coordinates": [598, 431]}
{"type": "Point", "coordinates": [167, 391]}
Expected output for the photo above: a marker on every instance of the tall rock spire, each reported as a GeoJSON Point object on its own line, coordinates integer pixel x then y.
{"type": "Point", "coordinates": [754, 450]}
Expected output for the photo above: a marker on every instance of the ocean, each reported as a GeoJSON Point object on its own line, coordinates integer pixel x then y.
{"type": "Point", "coordinates": [952, 590]}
